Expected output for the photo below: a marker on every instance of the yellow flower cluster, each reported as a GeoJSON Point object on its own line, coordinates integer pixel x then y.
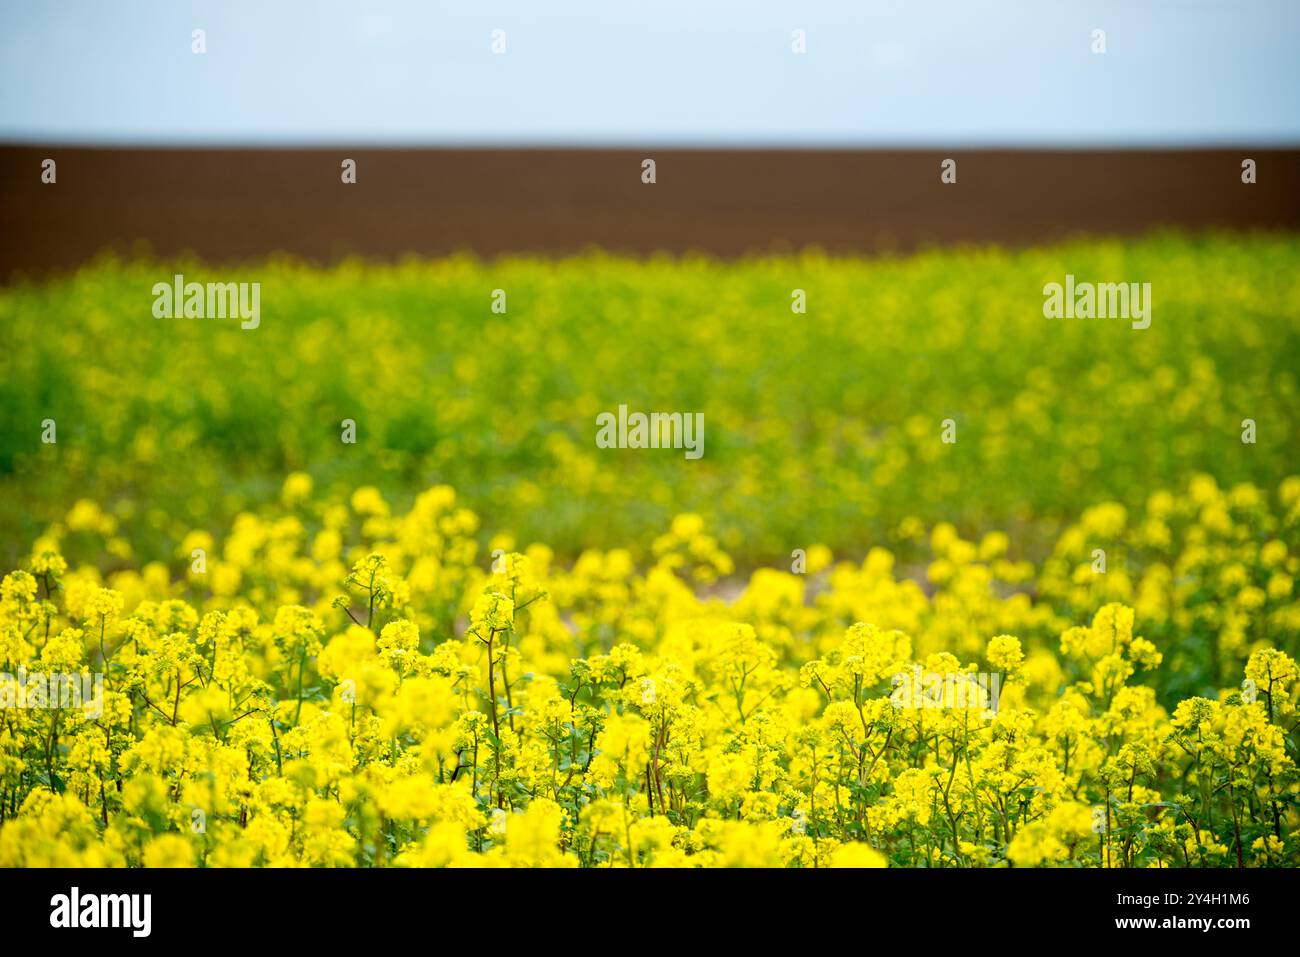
{"type": "Point", "coordinates": [336, 683]}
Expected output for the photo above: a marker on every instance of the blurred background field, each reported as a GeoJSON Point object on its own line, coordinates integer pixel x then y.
{"type": "Point", "coordinates": [819, 428]}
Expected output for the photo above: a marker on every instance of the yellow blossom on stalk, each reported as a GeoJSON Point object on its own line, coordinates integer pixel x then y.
{"type": "Point", "coordinates": [492, 611]}
{"type": "Point", "coordinates": [399, 643]}
{"type": "Point", "coordinates": [1004, 652]}
{"type": "Point", "coordinates": [104, 605]}
{"type": "Point", "coordinates": [46, 561]}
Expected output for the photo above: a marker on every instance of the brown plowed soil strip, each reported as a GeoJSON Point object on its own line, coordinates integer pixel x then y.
{"type": "Point", "coordinates": [234, 205]}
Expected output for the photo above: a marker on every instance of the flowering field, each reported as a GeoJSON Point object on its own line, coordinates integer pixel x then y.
{"type": "Point", "coordinates": [1068, 637]}
{"type": "Point", "coordinates": [820, 427]}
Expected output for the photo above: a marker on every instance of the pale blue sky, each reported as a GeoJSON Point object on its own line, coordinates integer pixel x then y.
{"type": "Point", "coordinates": [690, 72]}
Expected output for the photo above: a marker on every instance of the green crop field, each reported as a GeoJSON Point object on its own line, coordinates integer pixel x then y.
{"type": "Point", "coordinates": [820, 427]}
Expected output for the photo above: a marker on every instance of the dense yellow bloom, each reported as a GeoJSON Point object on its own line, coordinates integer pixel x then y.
{"type": "Point", "coordinates": [368, 690]}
